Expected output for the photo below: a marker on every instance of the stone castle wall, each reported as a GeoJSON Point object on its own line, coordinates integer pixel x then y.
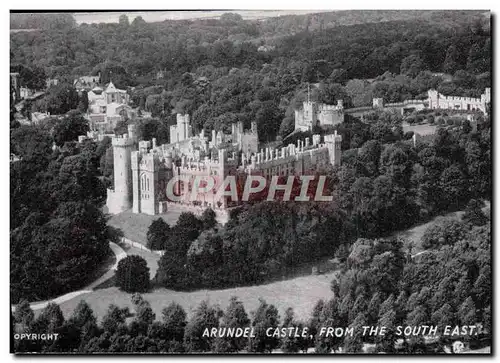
{"type": "Point", "coordinates": [143, 169]}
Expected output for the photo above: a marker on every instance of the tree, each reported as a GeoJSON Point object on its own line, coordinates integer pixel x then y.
{"type": "Point", "coordinates": [467, 312]}
{"type": "Point", "coordinates": [69, 127]}
{"type": "Point", "coordinates": [316, 320]}
{"type": "Point", "coordinates": [188, 226]}
{"type": "Point", "coordinates": [82, 315]}
{"type": "Point", "coordinates": [234, 317]}
{"type": "Point", "coordinates": [174, 321]}
{"type": "Point", "coordinates": [158, 233]}
{"type": "Point", "coordinates": [144, 314]}
{"type": "Point", "coordinates": [23, 314]}
{"type": "Point", "coordinates": [474, 214]}
{"type": "Point", "coordinates": [354, 343]}
{"type": "Point", "coordinates": [443, 316]}
{"type": "Point", "coordinates": [208, 219]}
{"type": "Point", "coordinates": [59, 99]}
{"type": "Point", "coordinates": [52, 317]}
{"type": "Point", "coordinates": [113, 318]}
{"type": "Point", "coordinates": [292, 344]}
{"type": "Point", "coordinates": [412, 65]}
{"type": "Point", "coordinates": [132, 274]}
{"type": "Point", "coordinates": [204, 317]}
{"type": "Point", "coordinates": [386, 342]}
{"type": "Point", "coordinates": [123, 20]}
{"type": "Point", "coordinates": [452, 61]}
{"type": "Point", "coordinates": [265, 317]}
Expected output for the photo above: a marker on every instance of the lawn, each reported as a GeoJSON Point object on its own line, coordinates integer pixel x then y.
{"type": "Point", "coordinates": [424, 129]}
{"type": "Point", "coordinates": [135, 226]}
{"type": "Point", "coordinates": [414, 235]}
{"type": "Point", "coordinates": [300, 293]}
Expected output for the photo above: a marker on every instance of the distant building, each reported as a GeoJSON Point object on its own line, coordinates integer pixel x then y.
{"type": "Point", "coordinates": [25, 92]}
{"type": "Point", "coordinates": [86, 83]}
{"type": "Point", "coordinates": [160, 74]}
{"type": "Point", "coordinates": [49, 82]}
{"type": "Point", "coordinates": [37, 117]}
{"type": "Point", "coordinates": [437, 101]}
{"type": "Point", "coordinates": [182, 130]}
{"type": "Point", "coordinates": [266, 48]}
{"type": "Point", "coordinates": [318, 114]}
{"type": "Point", "coordinates": [107, 107]}
{"type": "Point", "coordinates": [15, 85]}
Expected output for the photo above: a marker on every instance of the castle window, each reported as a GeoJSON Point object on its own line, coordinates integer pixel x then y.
{"type": "Point", "coordinates": [147, 185]}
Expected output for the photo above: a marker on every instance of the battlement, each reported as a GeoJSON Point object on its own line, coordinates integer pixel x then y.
{"type": "Point", "coordinates": [323, 107]}
{"type": "Point", "coordinates": [291, 152]}
{"type": "Point", "coordinates": [123, 141]}
{"type": "Point", "coordinates": [333, 137]}
{"type": "Point", "coordinates": [457, 98]}
{"type": "Point", "coordinates": [190, 164]}
{"type": "Point", "coordinates": [183, 119]}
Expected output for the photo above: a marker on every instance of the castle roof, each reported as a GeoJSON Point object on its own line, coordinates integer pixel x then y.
{"type": "Point", "coordinates": [112, 89]}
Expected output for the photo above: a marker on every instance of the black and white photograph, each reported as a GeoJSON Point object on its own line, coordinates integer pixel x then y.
{"type": "Point", "coordinates": [242, 182]}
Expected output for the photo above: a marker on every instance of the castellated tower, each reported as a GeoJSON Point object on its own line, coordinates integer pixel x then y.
{"type": "Point", "coordinates": [433, 98]}
{"type": "Point", "coordinates": [333, 143]}
{"type": "Point", "coordinates": [119, 199]}
{"type": "Point", "coordinates": [145, 167]}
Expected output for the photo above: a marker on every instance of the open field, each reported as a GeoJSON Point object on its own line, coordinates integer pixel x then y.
{"type": "Point", "coordinates": [300, 293]}
{"type": "Point", "coordinates": [135, 226]}
{"type": "Point", "coordinates": [424, 129]}
{"type": "Point", "coordinates": [414, 235]}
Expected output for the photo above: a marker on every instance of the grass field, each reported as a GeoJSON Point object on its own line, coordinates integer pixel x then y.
{"type": "Point", "coordinates": [423, 130]}
{"type": "Point", "coordinates": [135, 226]}
{"type": "Point", "coordinates": [414, 235]}
{"type": "Point", "coordinates": [300, 293]}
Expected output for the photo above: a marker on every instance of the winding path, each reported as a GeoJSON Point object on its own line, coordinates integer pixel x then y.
{"type": "Point", "coordinates": [120, 255]}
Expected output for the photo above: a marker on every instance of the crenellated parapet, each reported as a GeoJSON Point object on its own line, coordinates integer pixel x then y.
{"type": "Point", "coordinates": [123, 141]}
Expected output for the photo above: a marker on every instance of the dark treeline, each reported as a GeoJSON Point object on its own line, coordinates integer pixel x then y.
{"type": "Point", "coordinates": [59, 236]}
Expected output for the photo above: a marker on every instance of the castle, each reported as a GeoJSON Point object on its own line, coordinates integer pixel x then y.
{"type": "Point", "coordinates": [143, 169]}
{"type": "Point", "coordinates": [436, 100]}
{"type": "Point", "coordinates": [318, 114]}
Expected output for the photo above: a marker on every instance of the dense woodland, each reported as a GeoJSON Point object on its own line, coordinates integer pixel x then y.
{"type": "Point", "coordinates": [59, 235]}
{"type": "Point", "coordinates": [214, 71]}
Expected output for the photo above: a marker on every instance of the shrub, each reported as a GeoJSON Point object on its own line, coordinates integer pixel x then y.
{"type": "Point", "coordinates": [158, 232]}
{"type": "Point", "coordinates": [132, 274]}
